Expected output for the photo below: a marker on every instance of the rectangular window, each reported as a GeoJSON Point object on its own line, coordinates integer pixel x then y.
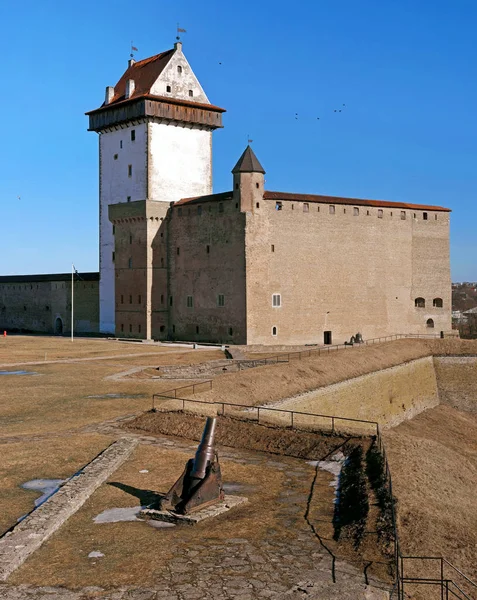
{"type": "Point", "coordinates": [133, 135]}
{"type": "Point", "coordinates": [332, 209]}
{"type": "Point", "coordinates": [130, 239]}
{"type": "Point", "coordinates": [355, 211]}
{"type": "Point", "coordinates": [197, 329]}
{"type": "Point", "coordinates": [130, 328]}
{"type": "Point", "coordinates": [170, 300]}
{"type": "Point", "coordinates": [113, 256]}
{"type": "Point", "coordinates": [199, 210]}
{"type": "Point", "coordinates": [190, 302]}
{"type": "Point", "coordinates": [173, 329]}
{"type": "Point", "coordinates": [121, 143]}
{"type": "Point", "coordinates": [278, 206]}
{"type": "Point", "coordinates": [139, 299]}
{"type": "Point", "coordinates": [273, 247]}
{"type": "Point", "coordinates": [162, 298]}
{"type": "Point", "coordinates": [380, 213]}
{"type": "Point", "coordinates": [128, 198]}
{"type": "Point", "coordinates": [403, 215]}
{"type": "Point", "coordinates": [435, 217]}
{"type": "Point", "coordinates": [231, 331]}
{"type": "Point", "coordinates": [130, 299]}
{"type": "Point", "coordinates": [122, 299]}
{"type": "Point", "coordinates": [424, 216]}
{"type": "Point", "coordinates": [306, 207]}
{"type": "Point", "coordinates": [129, 170]}
{"type": "Point", "coordinates": [162, 328]}
{"type": "Point", "coordinates": [276, 300]}
{"type": "Point", "coordinates": [221, 300]}
{"type": "Point", "coordinates": [130, 263]}
{"type": "Point", "coordinates": [208, 249]}
{"type": "Point", "coordinates": [114, 229]}
{"type": "Point", "coordinates": [122, 327]}
{"type": "Point", "coordinates": [179, 211]}
{"type": "Point", "coordinates": [139, 328]}
{"type": "Point", "coordinates": [178, 250]}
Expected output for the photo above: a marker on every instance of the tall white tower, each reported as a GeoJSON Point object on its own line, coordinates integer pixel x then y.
{"type": "Point", "coordinates": [155, 143]}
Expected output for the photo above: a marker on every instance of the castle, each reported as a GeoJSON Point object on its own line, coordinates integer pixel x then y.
{"type": "Point", "coordinates": [245, 266]}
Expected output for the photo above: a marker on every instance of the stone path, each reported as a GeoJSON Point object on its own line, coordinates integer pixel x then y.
{"type": "Point", "coordinates": [237, 568]}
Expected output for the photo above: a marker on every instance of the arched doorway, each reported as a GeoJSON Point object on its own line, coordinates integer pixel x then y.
{"type": "Point", "coordinates": [58, 326]}
{"type": "Point", "coordinates": [430, 323]}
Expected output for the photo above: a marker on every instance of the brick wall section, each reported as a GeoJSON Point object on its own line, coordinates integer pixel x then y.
{"type": "Point", "coordinates": [344, 272]}
{"type": "Point", "coordinates": [35, 306]}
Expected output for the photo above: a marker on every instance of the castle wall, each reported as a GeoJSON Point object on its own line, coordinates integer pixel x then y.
{"type": "Point", "coordinates": [345, 272]}
{"type": "Point", "coordinates": [389, 396]}
{"type": "Point", "coordinates": [117, 183]}
{"type": "Point", "coordinates": [35, 306]}
{"type": "Point", "coordinates": [180, 162]}
{"type": "Point", "coordinates": [207, 259]}
{"type": "Point", "coordinates": [457, 381]}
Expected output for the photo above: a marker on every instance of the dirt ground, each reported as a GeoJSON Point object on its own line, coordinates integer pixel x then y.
{"type": "Point", "coordinates": [433, 461]}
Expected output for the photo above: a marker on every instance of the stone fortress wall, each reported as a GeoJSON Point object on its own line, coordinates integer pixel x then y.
{"type": "Point", "coordinates": [42, 303]}
{"type": "Point", "coordinates": [344, 269]}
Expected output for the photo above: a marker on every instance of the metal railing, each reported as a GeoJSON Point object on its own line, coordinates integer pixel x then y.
{"type": "Point", "coordinates": [193, 387]}
{"type": "Point", "coordinates": [291, 418]}
{"type": "Point", "coordinates": [286, 357]}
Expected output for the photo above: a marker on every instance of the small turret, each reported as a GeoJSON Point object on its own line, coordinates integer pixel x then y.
{"type": "Point", "coordinates": [248, 180]}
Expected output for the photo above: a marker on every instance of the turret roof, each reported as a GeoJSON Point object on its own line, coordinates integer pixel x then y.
{"type": "Point", "coordinates": [248, 163]}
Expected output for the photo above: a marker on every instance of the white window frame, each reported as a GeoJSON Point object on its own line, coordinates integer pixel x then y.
{"type": "Point", "coordinates": [276, 300]}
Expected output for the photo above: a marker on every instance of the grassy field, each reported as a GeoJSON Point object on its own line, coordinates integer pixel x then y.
{"type": "Point", "coordinates": [43, 415]}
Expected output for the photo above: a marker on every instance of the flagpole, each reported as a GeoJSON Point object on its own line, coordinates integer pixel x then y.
{"type": "Point", "coordinates": [72, 300]}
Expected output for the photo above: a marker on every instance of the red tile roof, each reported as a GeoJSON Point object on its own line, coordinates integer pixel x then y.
{"type": "Point", "coordinates": [144, 72]}
{"type": "Point", "coordinates": [210, 198]}
{"type": "Point", "coordinates": [285, 196]}
{"type": "Point", "coordinates": [355, 201]}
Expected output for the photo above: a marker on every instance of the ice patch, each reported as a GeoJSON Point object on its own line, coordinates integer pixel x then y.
{"type": "Point", "coordinates": [116, 515]}
{"type": "Point", "coordinates": [95, 554]}
{"type": "Point", "coordinates": [47, 486]}
{"type": "Point", "coordinates": [333, 466]}
{"type": "Point", "coordinates": [143, 471]}
{"type": "Point", "coordinates": [18, 373]}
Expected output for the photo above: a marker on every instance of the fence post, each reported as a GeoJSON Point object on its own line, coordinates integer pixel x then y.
{"type": "Point", "coordinates": [332, 424]}
{"type": "Point", "coordinates": [183, 404]}
{"type": "Point", "coordinates": [153, 405]}
{"type": "Point", "coordinates": [447, 590]}
{"type": "Point", "coordinates": [442, 578]}
{"type": "Point", "coordinates": [292, 413]}
{"type": "Point", "coordinates": [402, 577]}
{"type": "Point", "coordinates": [258, 415]}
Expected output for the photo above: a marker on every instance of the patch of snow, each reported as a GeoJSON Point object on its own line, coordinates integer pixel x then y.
{"type": "Point", "coordinates": [116, 515]}
{"type": "Point", "coordinates": [47, 486]}
{"type": "Point", "coordinates": [143, 471]}
{"type": "Point", "coordinates": [333, 466]}
{"type": "Point", "coordinates": [95, 554]}
{"type": "Point", "coordinates": [159, 524]}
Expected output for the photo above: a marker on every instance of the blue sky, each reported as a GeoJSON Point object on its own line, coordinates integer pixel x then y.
{"type": "Point", "coordinates": [404, 69]}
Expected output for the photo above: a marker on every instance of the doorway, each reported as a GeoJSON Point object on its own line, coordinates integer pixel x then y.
{"type": "Point", "coordinates": [58, 326]}
{"type": "Point", "coordinates": [327, 338]}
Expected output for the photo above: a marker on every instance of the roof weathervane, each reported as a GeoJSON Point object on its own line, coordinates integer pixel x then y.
{"type": "Point", "coordinates": [179, 30]}
{"type": "Point", "coordinates": [249, 141]}
{"type": "Point", "coordinates": [133, 49]}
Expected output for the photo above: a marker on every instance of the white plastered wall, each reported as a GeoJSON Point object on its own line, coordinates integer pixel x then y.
{"type": "Point", "coordinates": [180, 162]}
{"type": "Point", "coordinates": [115, 186]}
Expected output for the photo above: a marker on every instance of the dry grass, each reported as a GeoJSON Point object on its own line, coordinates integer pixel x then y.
{"type": "Point", "coordinates": [433, 461]}
{"type": "Point", "coordinates": [22, 348]}
{"type": "Point", "coordinates": [272, 383]}
{"type": "Point", "coordinates": [54, 458]}
{"type": "Point", "coordinates": [134, 552]}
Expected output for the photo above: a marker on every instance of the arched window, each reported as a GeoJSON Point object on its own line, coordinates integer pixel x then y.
{"type": "Point", "coordinates": [430, 323]}
{"type": "Point", "coordinates": [274, 331]}
{"type": "Point", "coordinates": [420, 303]}
{"type": "Point", "coordinates": [437, 303]}
{"type": "Point", "coordinates": [179, 69]}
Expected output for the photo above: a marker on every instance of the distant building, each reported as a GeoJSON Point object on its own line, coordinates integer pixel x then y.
{"type": "Point", "coordinates": [42, 303]}
{"type": "Point", "coordinates": [246, 265]}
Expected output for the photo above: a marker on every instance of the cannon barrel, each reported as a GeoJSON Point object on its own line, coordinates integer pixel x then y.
{"type": "Point", "coordinates": [205, 452]}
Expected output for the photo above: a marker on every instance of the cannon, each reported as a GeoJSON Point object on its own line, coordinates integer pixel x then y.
{"type": "Point", "coordinates": [200, 484]}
